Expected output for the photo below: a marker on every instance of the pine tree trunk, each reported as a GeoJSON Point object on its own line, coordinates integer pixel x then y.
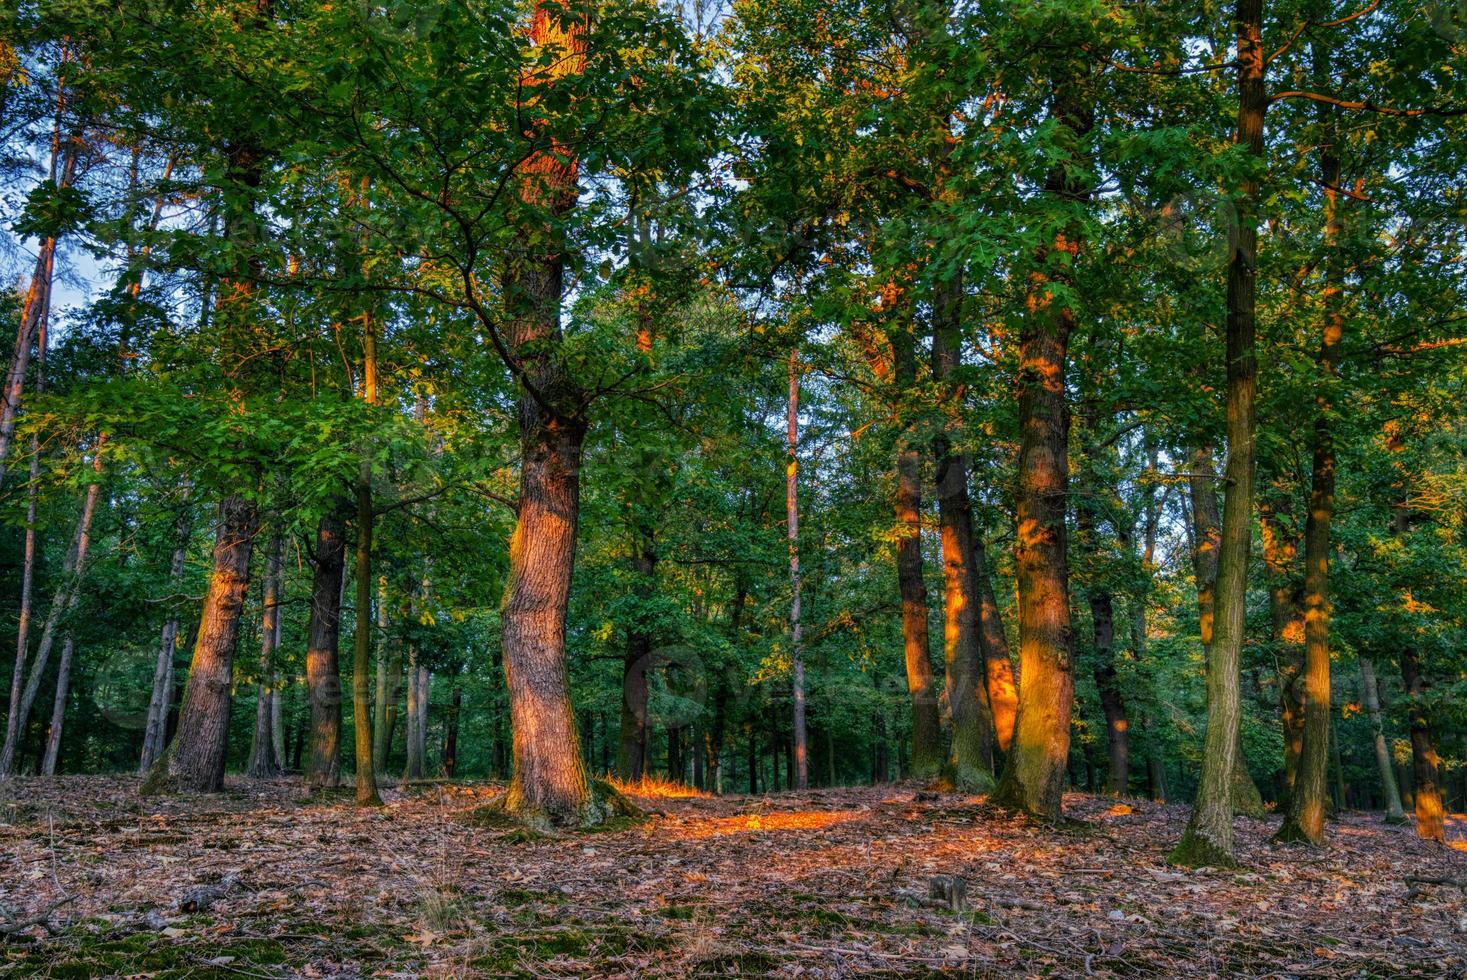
{"type": "Point", "coordinates": [195, 759]}
{"type": "Point", "coordinates": [970, 759]}
{"type": "Point", "coordinates": [37, 306]}
{"type": "Point", "coordinates": [323, 671]}
{"type": "Point", "coordinates": [1208, 838]}
{"type": "Point", "coordinates": [1370, 696]}
{"type": "Point", "coordinates": [800, 739]}
{"type": "Point", "coordinates": [27, 589]}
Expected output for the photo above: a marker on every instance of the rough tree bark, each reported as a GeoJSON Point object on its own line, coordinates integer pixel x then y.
{"type": "Point", "coordinates": [1426, 765]}
{"type": "Point", "coordinates": [1003, 689]}
{"type": "Point", "coordinates": [195, 758]}
{"type": "Point", "coordinates": [1034, 772]}
{"type": "Point", "coordinates": [1208, 838]}
{"type": "Point", "coordinates": [323, 672]}
{"type": "Point", "coordinates": [970, 759]}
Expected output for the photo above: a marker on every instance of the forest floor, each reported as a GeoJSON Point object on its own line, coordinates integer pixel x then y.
{"type": "Point", "coordinates": [264, 882]}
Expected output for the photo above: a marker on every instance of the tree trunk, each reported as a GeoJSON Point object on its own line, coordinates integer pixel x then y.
{"type": "Point", "coordinates": [450, 732]}
{"type": "Point", "coordinates": [1003, 690]}
{"type": "Point", "coordinates": [1206, 545]}
{"type": "Point", "coordinates": [631, 752]}
{"type": "Point", "coordinates": [27, 585]}
{"type": "Point", "coordinates": [323, 671]}
{"type": "Point", "coordinates": [1033, 779]}
{"type": "Point", "coordinates": [37, 306]}
{"type": "Point", "coordinates": [264, 763]}
{"type": "Point", "coordinates": [387, 690]}
{"type": "Point", "coordinates": [195, 759]}
{"type": "Point", "coordinates": [970, 759]}
{"type": "Point", "coordinates": [361, 682]}
{"type": "Point", "coordinates": [1426, 766]}
{"type": "Point", "coordinates": [800, 745]}
{"type": "Point", "coordinates": [1208, 838]}
{"type": "Point", "coordinates": [1304, 818]}
{"type": "Point", "coordinates": [922, 688]}
{"type": "Point", "coordinates": [1370, 695]}
{"type": "Point", "coordinates": [58, 707]}
{"type": "Point", "coordinates": [62, 603]}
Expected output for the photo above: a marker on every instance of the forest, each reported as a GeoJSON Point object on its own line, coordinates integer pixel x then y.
{"type": "Point", "coordinates": [561, 488]}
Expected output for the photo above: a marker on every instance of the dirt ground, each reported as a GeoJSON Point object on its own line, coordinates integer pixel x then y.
{"type": "Point", "coordinates": [262, 881]}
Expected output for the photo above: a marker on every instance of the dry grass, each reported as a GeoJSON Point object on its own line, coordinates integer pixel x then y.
{"type": "Point", "coordinates": [657, 787]}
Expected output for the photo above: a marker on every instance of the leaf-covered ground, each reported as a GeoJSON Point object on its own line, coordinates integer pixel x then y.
{"type": "Point", "coordinates": [264, 882]}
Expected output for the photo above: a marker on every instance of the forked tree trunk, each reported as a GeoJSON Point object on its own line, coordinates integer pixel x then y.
{"type": "Point", "coordinates": [970, 758]}
{"type": "Point", "coordinates": [195, 759]}
{"type": "Point", "coordinates": [155, 732]}
{"type": "Point", "coordinates": [1034, 772]}
{"type": "Point", "coordinates": [800, 745]}
{"type": "Point", "coordinates": [323, 671]}
{"type": "Point", "coordinates": [1370, 696]}
{"type": "Point", "coordinates": [1208, 838]}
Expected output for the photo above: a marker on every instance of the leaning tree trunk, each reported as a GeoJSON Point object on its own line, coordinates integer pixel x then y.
{"type": "Point", "coordinates": [970, 758]}
{"type": "Point", "coordinates": [37, 306]}
{"type": "Point", "coordinates": [1034, 772]}
{"type": "Point", "coordinates": [62, 603]}
{"type": "Point", "coordinates": [1003, 689]}
{"type": "Point", "coordinates": [195, 759]}
{"type": "Point", "coordinates": [1370, 696]}
{"type": "Point", "coordinates": [58, 707]}
{"type": "Point", "coordinates": [1208, 838]}
{"type": "Point", "coordinates": [323, 637]}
